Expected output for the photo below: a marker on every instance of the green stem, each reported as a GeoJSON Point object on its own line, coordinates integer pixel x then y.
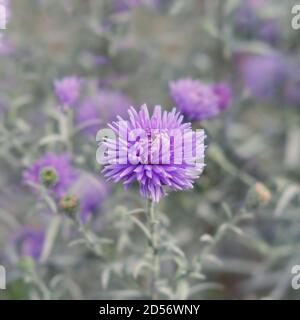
{"type": "Point", "coordinates": [42, 286]}
{"type": "Point", "coordinates": [153, 244]}
{"type": "Point", "coordinates": [90, 241]}
{"type": "Point", "coordinates": [51, 236]}
{"type": "Point", "coordinates": [66, 129]}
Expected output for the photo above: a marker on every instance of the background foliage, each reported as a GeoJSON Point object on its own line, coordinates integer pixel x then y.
{"type": "Point", "coordinates": [229, 238]}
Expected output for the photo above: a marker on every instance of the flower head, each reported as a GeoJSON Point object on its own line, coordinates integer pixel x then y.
{"type": "Point", "coordinates": [69, 204]}
{"type": "Point", "coordinates": [54, 167]}
{"type": "Point", "coordinates": [7, 48]}
{"type": "Point", "coordinates": [258, 195]}
{"type": "Point", "coordinates": [224, 94]}
{"type": "Point", "coordinates": [262, 74]}
{"type": "Point", "coordinates": [248, 20]}
{"type": "Point", "coordinates": [292, 92]}
{"type": "Point", "coordinates": [28, 241]}
{"type": "Point", "coordinates": [152, 153]}
{"type": "Point", "coordinates": [67, 90]}
{"type": "Point", "coordinates": [196, 100]}
{"type": "Point", "coordinates": [269, 30]}
{"type": "Point", "coordinates": [101, 109]}
{"type": "Point", "coordinates": [91, 193]}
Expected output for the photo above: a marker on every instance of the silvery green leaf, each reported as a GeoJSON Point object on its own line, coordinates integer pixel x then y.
{"type": "Point", "coordinates": [138, 268]}
{"type": "Point", "coordinates": [182, 290]}
{"type": "Point", "coordinates": [286, 197]}
{"type": "Point", "coordinates": [175, 249]}
{"type": "Point", "coordinates": [255, 47]}
{"type": "Point", "coordinates": [51, 235]}
{"type": "Point", "coordinates": [205, 287]}
{"type": "Point", "coordinates": [136, 211]}
{"type": "Point", "coordinates": [230, 6]}
{"type": "Point", "coordinates": [199, 276]}
{"type": "Point", "coordinates": [178, 7]}
{"type": "Point", "coordinates": [227, 210]}
{"type": "Point", "coordinates": [292, 149]}
{"type": "Point", "coordinates": [206, 238]}
{"type": "Point", "coordinates": [105, 277]}
{"type": "Point", "coordinates": [214, 259]}
{"type": "Point", "coordinates": [236, 230]}
{"type": "Point", "coordinates": [141, 226]}
{"type": "Point", "coordinates": [76, 242]}
{"type": "Point", "coordinates": [50, 139]}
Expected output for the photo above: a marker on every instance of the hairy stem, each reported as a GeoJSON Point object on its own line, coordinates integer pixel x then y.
{"type": "Point", "coordinates": [153, 243]}
{"type": "Point", "coordinates": [89, 239]}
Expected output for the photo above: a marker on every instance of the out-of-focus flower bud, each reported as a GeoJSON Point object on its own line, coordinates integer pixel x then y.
{"type": "Point", "coordinates": [48, 176]}
{"type": "Point", "coordinates": [69, 204]}
{"type": "Point", "coordinates": [259, 195]}
{"type": "Point", "coordinates": [26, 264]}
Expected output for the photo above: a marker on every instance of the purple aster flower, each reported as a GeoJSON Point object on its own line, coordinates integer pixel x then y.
{"type": "Point", "coordinates": [292, 92]}
{"type": "Point", "coordinates": [91, 193]}
{"type": "Point", "coordinates": [196, 100]}
{"type": "Point", "coordinates": [247, 19]}
{"type": "Point", "coordinates": [262, 74]}
{"type": "Point", "coordinates": [101, 59]}
{"type": "Point", "coordinates": [28, 241]}
{"type": "Point", "coordinates": [61, 174]}
{"type": "Point", "coordinates": [67, 90]}
{"type": "Point", "coordinates": [269, 30]}
{"type": "Point", "coordinates": [6, 47]}
{"type": "Point", "coordinates": [101, 109]}
{"type": "Point", "coordinates": [224, 94]}
{"type": "Point", "coordinates": [155, 158]}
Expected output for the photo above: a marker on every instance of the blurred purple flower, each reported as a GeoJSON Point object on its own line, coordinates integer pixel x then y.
{"type": "Point", "coordinates": [196, 100]}
{"type": "Point", "coordinates": [269, 30]}
{"type": "Point", "coordinates": [224, 94]}
{"type": "Point", "coordinates": [6, 47]}
{"type": "Point", "coordinates": [91, 193]}
{"type": "Point", "coordinates": [61, 164]}
{"type": "Point", "coordinates": [101, 109]}
{"type": "Point", "coordinates": [28, 241]}
{"type": "Point", "coordinates": [263, 74]}
{"type": "Point", "coordinates": [247, 19]}
{"type": "Point", "coordinates": [67, 90]}
{"type": "Point", "coordinates": [152, 176]}
{"type": "Point", "coordinates": [3, 108]}
{"type": "Point", "coordinates": [292, 93]}
{"type": "Point", "coordinates": [101, 59]}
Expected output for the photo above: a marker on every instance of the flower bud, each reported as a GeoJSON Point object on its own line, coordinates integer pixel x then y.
{"type": "Point", "coordinates": [26, 263]}
{"type": "Point", "coordinates": [69, 204]}
{"type": "Point", "coordinates": [259, 195]}
{"type": "Point", "coordinates": [48, 176]}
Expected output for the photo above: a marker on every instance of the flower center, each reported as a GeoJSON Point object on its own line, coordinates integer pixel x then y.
{"type": "Point", "coordinates": [149, 149]}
